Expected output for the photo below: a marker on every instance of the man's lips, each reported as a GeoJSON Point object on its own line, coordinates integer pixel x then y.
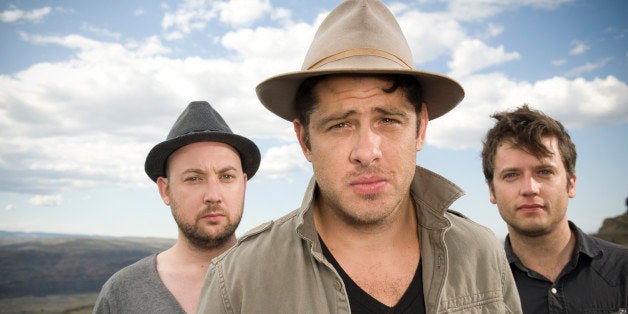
{"type": "Point", "coordinates": [213, 216]}
{"type": "Point", "coordinates": [530, 207]}
{"type": "Point", "coordinates": [368, 185]}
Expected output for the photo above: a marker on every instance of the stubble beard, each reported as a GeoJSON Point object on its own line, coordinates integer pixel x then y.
{"type": "Point", "coordinates": [358, 217]}
{"type": "Point", "coordinates": [384, 205]}
{"type": "Point", "coordinates": [200, 239]}
{"type": "Point", "coordinates": [528, 229]}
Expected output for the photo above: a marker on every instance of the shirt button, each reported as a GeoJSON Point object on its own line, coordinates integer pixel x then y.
{"type": "Point", "coordinates": [554, 290]}
{"type": "Point", "coordinates": [337, 285]}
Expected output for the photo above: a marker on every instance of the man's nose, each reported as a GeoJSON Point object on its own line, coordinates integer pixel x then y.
{"type": "Point", "coordinates": [367, 147]}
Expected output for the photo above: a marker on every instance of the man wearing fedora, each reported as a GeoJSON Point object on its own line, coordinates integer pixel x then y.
{"type": "Point", "coordinates": [374, 233]}
{"type": "Point", "coordinates": [201, 171]}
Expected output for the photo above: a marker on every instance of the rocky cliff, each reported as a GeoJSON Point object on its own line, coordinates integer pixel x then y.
{"type": "Point", "coordinates": [615, 230]}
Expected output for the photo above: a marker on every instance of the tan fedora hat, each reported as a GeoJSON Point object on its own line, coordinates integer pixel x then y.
{"type": "Point", "coordinates": [359, 36]}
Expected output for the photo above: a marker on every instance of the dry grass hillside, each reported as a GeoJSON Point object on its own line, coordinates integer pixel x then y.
{"type": "Point", "coordinates": [46, 273]}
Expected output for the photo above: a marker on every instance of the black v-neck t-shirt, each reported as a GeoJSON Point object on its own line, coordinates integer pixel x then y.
{"type": "Point", "coordinates": [361, 302]}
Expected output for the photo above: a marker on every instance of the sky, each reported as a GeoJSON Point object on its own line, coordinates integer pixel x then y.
{"type": "Point", "coordinates": [87, 88]}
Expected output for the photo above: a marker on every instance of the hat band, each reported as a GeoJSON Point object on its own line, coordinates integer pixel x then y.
{"type": "Point", "coordinates": [360, 52]}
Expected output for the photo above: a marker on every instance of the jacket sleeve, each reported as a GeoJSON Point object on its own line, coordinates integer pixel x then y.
{"type": "Point", "coordinates": [214, 297]}
{"type": "Point", "coordinates": [509, 288]}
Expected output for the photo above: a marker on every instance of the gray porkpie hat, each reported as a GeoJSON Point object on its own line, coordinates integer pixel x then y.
{"type": "Point", "coordinates": [359, 36]}
{"type": "Point", "coordinates": [199, 122]}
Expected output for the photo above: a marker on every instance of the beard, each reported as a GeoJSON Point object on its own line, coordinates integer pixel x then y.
{"type": "Point", "coordinates": [200, 239]}
{"type": "Point", "coordinates": [346, 210]}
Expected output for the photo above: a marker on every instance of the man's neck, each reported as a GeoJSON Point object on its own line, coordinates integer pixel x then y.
{"type": "Point", "coordinates": [383, 259]}
{"type": "Point", "coordinates": [547, 254]}
{"type": "Point", "coordinates": [182, 269]}
{"type": "Point", "coordinates": [184, 253]}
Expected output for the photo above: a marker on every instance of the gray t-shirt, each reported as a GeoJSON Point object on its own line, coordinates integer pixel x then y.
{"type": "Point", "coordinates": [137, 288]}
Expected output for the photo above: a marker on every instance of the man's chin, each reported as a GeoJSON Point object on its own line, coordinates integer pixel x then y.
{"type": "Point", "coordinates": [210, 237]}
{"type": "Point", "coordinates": [209, 242]}
{"type": "Point", "coordinates": [533, 231]}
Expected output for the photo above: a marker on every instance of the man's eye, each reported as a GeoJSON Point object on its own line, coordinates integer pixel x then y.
{"type": "Point", "coordinates": [340, 125]}
{"type": "Point", "coordinates": [192, 179]}
{"type": "Point", "coordinates": [228, 176]}
{"type": "Point", "coordinates": [546, 172]}
{"type": "Point", "coordinates": [389, 120]}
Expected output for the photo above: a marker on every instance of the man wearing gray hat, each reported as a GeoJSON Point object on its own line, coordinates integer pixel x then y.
{"type": "Point", "coordinates": [201, 171]}
{"type": "Point", "coordinates": [374, 233]}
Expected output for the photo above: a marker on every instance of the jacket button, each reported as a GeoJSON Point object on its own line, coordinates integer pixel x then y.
{"type": "Point", "coordinates": [337, 285]}
{"type": "Point", "coordinates": [554, 290]}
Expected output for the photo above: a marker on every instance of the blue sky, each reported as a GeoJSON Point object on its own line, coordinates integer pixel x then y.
{"type": "Point", "coordinates": [87, 88]}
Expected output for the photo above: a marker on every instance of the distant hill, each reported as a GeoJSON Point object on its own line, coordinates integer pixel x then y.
{"type": "Point", "coordinates": [40, 264]}
{"type": "Point", "coordinates": [615, 230]}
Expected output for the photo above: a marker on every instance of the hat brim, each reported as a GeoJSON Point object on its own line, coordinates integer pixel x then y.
{"type": "Point", "coordinates": [155, 165]}
{"type": "Point", "coordinates": [440, 93]}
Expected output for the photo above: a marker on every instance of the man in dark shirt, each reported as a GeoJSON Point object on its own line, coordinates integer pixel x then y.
{"type": "Point", "coordinates": [529, 164]}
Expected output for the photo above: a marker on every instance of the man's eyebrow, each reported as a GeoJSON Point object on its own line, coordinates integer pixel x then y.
{"type": "Point", "coordinates": [545, 166]}
{"type": "Point", "coordinates": [200, 171]}
{"type": "Point", "coordinates": [227, 169]}
{"type": "Point", "coordinates": [334, 117]}
{"type": "Point", "coordinates": [508, 169]}
{"type": "Point", "coordinates": [192, 170]}
{"type": "Point", "coordinates": [390, 111]}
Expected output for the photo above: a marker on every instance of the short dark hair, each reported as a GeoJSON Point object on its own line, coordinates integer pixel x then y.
{"type": "Point", "coordinates": [525, 129]}
{"type": "Point", "coordinates": [306, 99]}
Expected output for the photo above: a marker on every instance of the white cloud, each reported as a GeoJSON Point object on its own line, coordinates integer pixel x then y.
{"type": "Point", "coordinates": [264, 43]}
{"type": "Point", "coordinates": [280, 162]}
{"type": "Point", "coordinates": [493, 30]}
{"type": "Point", "coordinates": [14, 15]}
{"type": "Point", "coordinates": [281, 14]}
{"type": "Point", "coordinates": [46, 200]}
{"type": "Point", "coordinates": [91, 120]}
{"type": "Point", "coordinates": [579, 48]}
{"type": "Point", "coordinates": [242, 12]}
{"type": "Point", "coordinates": [191, 15]}
{"type": "Point", "coordinates": [577, 103]}
{"type": "Point", "coordinates": [8, 207]}
{"type": "Point", "coordinates": [194, 15]}
{"type": "Point", "coordinates": [101, 31]}
{"type": "Point", "coordinates": [138, 12]}
{"type": "Point", "coordinates": [425, 43]}
{"type": "Point", "coordinates": [150, 47]}
{"type": "Point", "coordinates": [474, 55]}
{"type": "Point", "coordinates": [559, 62]}
{"type": "Point", "coordinates": [588, 67]}
{"type": "Point", "coordinates": [471, 10]}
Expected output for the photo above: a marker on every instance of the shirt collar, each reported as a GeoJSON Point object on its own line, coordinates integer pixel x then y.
{"type": "Point", "coordinates": [584, 245]}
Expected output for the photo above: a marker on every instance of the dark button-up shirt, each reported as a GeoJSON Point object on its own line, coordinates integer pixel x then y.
{"type": "Point", "coordinates": [594, 280]}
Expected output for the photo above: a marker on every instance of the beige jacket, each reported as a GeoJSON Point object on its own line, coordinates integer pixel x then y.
{"type": "Point", "coordinates": [279, 267]}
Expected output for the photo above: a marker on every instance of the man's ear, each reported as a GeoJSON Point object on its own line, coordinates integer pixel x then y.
{"type": "Point", "coordinates": [299, 130]}
{"type": "Point", "coordinates": [572, 187]}
{"type": "Point", "coordinates": [162, 185]}
{"type": "Point", "coordinates": [491, 194]}
{"type": "Point", "coordinates": [423, 119]}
